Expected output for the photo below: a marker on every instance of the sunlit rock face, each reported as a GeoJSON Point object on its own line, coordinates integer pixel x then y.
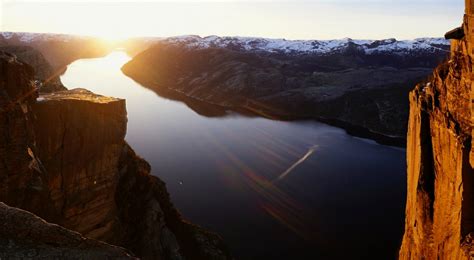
{"type": "Point", "coordinates": [63, 157]}
{"type": "Point", "coordinates": [440, 204]}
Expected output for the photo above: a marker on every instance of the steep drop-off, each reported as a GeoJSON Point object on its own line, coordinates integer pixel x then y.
{"type": "Point", "coordinates": [21, 173]}
{"type": "Point", "coordinates": [64, 158]}
{"type": "Point", "coordinates": [440, 204]}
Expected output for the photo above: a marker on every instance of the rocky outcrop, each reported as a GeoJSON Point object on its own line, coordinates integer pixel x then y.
{"type": "Point", "coordinates": [362, 90]}
{"type": "Point", "coordinates": [64, 158]}
{"type": "Point", "coordinates": [440, 204]}
{"type": "Point", "coordinates": [26, 236]}
{"type": "Point", "coordinates": [80, 137]}
{"type": "Point", "coordinates": [44, 72]}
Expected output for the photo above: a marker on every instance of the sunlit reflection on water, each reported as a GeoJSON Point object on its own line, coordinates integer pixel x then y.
{"type": "Point", "coordinates": [114, 61]}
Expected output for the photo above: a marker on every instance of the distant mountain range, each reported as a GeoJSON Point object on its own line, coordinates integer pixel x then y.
{"type": "Point", "coordinates": [304, 46]}
{"type": "Point", "coordinates": [262, 44]}
{"type": "Point", "coordinates": [310, 46]}
{"type": "Point", "coordinates": [361, 85]}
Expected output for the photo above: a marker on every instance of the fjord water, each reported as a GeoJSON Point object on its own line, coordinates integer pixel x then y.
{"type": "Point", "coordinates": [272, 189]}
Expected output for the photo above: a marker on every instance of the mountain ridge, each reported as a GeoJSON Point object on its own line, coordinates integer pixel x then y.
{"type": "Point", "coordinates": [260, 44]}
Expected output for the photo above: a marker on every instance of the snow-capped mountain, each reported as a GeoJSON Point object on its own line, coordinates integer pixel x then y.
{"type": "Point", "coordinates": [58, 49]}
{"type": "Point", "coordinates": [309, 46]}
{"type": "Point", "coordinates": [264, 44]}
{"type": "Point", "coordinates": [362, 83]}
{"type": "Point", "coordinates": [31, 37]}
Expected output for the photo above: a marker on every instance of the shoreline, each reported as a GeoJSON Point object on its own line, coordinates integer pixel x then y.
{"type": "Point", "coordinates": [209, 109]}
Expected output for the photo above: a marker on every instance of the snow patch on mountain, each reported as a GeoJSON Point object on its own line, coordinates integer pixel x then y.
{"type": "Point", "coordinates": [31, 37]}
{"type": "Point", "coordinates": [267, 45]}
{"type": "Point", "coordinates": [308, 46]}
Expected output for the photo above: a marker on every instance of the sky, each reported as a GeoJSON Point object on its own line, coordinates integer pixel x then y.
{"type": "Point", "coordinates": [290, 19]}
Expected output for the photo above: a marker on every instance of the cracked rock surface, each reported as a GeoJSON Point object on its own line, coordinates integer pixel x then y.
{"type": "Point", "coordinates": [440, 199]}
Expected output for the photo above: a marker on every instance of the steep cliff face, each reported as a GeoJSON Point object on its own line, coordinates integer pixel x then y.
{"type": "Point", "coordinates": [21, 178]}
{"type": "Point", "coordinates": [440, 204]}
{"type": "Point", "coordinates": [17, 137]}
{"type": "Point", "coordinates": [80, 137]}
{"type": "Point", "coordinates": [64, 158]}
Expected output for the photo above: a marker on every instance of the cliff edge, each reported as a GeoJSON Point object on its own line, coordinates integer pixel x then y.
{"type": "Point", "coordinates": [63, 157]}
{"type": "Point", "coordinates": [440, 204]}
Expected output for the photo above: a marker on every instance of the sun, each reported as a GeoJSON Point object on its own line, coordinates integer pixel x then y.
{"type": "Point", "coordinates": [112, 38]}
{"type": "Point", "coordinates": [111, 35]}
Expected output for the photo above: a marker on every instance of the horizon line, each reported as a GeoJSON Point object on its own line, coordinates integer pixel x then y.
{"type": "Point", "coordinates": [226, 36]}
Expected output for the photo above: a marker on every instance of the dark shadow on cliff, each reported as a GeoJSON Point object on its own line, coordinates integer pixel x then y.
{"type": "Point", "coordinates": [467, 213]}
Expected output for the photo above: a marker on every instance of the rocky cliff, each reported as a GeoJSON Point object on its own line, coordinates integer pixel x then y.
{"type": "Point", "coordinates": [64, 158]}
{"type": "Point", "coordinates": [440, 204]}
{"type": "Point", "coordinates": [44, 72]}
{"type": "Point", "coordinates": [360, 85]}
{"type": "Point", "coordinates": [23, 234]}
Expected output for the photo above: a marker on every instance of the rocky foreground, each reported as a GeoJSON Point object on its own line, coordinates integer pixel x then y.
{"type": "Point", "coordinates": [440, 204]}
{"type": "Point", "coordinates": [359, 85]}
{"type": "Point", "coordinates": [27, 236]}
{"type": "Point", "coordinates": [63, 158]}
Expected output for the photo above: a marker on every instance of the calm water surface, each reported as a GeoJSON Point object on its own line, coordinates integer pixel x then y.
{"type": "Point", "coordinates": [272, 189]}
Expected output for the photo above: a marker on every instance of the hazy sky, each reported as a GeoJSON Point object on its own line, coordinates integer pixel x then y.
{"type": "Point", "coordinates": [296, 19]}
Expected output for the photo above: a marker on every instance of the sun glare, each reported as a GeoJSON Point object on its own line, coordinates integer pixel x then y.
{"type": "Point", "coordinates": [116, 60]}
{"type": "Point", "coordinates": [111, 39]}
{"type": "Point", "coordinates": [114, 21]}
